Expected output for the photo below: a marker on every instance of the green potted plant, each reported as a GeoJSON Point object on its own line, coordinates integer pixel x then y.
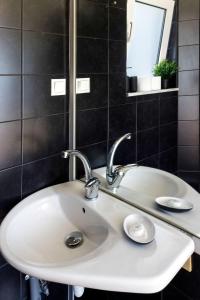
{"type": "Point", "coordinates": [167, 70]}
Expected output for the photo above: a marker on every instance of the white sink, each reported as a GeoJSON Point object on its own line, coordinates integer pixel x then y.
{"type": "Point", "coordinates": [141, 185]}
{"type": "Point", "coordinates": [32, 239]}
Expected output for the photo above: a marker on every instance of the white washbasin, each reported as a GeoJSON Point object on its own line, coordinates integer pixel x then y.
{"type": "Point", "coordinates": [141, 185]}
{"type": "Point", "coordinates": [32, 239]}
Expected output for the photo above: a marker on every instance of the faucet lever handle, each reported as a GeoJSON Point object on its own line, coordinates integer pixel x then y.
{"type": "Point", "coordinates": [92, 188]}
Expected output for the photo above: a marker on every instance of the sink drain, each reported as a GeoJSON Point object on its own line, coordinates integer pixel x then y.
{"type": "Point", "coordinates": [74, 239]}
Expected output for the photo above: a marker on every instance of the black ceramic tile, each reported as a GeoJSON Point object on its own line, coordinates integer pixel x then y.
{"type": "Point", "coordinates": [188, 83]}
{"type": "Point", "coordinates": [188, 10]}
{"type": "Point", "coordinates": [117, 89]}
{"type": "Point", "coordinates": [43, 53]}
{"type": "Point", "coordinates": [100, 1]}
{"type": "Point", "coordinates": [188, 32]}
{"type": "Point", "coordinates": [10, 51]}
{"type": "Point", "coordinates": [92, 55]}
{"type": "Point", "coordinates": [117, 57]}
{"type": "Point", "coordinates": [189, 283]}
{"type": "Point", "coordinates": [91, 294]}
{"type": "Point", "coordinates": [122, 119]}
{"type": "Point", "coordinates": [188, 108]}
{"type": "Point", "coordinates": [98, 96]}
{"type": "Point", "coordinates": [147, 114]}
{"type": "Point", "coordinates": [92, 19]}
{"type": "Point", "coordinates": [10, 150]}
{"type": "Point", "coordinates": [2, 261]}
{"type": "Point", "coordinates": [168, 95]}
{"type": "Point", "coordinates": [37, 99]}
{"type": "Point", "coordinates": [168, 110]}
{"type": "Point", "coordinates": [10, 98]}
{"type": "Point", "coordinates": [118, 3]}
{"type": "Point", "coordinates": [10, 13]}
{"type": "Point", "coordinates": [171, 292]}
{"type": "Point", "coordinates": [188, 133]}
{"type": "Point", "coordinates": [188, 58]}
{"type": "Point", "coordinates": [148, 97]}
{"type": "Point", "coordinates": [152, 161]}
{"type": "Point", "coordinates": [126, 152]}
{"type": "Point", "coordinates": [192, 178]}
{"type": "Point", "coordinates": [9, 291]}
{"type": "Point", "coordinates": [45, 16]}
{"type": "Point", "coordinates": [42, 173]}
{"type": "Point", "coordinates": [188, 158]}
{"type": "Point", "coordinates": [89, 123]}
{"type": "Point", "coordinates": [147, 143]}
{"type": "Point", "coordinates": [10, 187]}
{"type": "Point", "coordinates": [57, 291]}
{"type": "Point", "coordinates": [96, 154]}
{"type": "Point", "coordinates": [168, 136]}
{"type": "Point", "coordinates": [116, 17]}
{"type": "Point", "coordinates": [129, 296]}
{"type": "Point", "coordinates": [42, 137]}
{"type": "Point", "coordinates": [168, 160]}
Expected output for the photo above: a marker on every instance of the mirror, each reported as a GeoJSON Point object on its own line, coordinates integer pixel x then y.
{"type": "Point", "coordinates": [148, 30]}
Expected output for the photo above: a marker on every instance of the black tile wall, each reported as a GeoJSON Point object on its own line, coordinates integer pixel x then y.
{"type": "Point", "coordinates": [10, 13]}
{"type": "Point", "coordinates": [51, 16]}
{"type": "Point", "coordinates": [10, 98]}
{"type": "Point", "coordinates": [188, 102]}
{"type": "Point", "coordinates": [43, 53]}
{"type": "Point", "coordinates": [10, 51]}
{"type": "Point", "coordinates": [33, 125]}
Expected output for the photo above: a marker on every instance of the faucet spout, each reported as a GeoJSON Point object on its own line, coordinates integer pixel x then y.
{"type": "Point", "coordinates": [112, 151]}
{"type": "Point", "coordinates": [115, 176]}
{"type": "Point", "coordinates": [92, 183]}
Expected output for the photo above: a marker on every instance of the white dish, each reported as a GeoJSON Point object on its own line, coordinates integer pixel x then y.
{"type": "Point", "coordinates": [139, 228]}
{"type": "Point", "coordinates": [173, 203]}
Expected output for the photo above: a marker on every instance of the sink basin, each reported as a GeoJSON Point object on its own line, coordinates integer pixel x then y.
{"type": "Point", "coordinates": [38, 230]}
{"type": "Point", "coordinates": [33, 234]}
{"type": "Point", "coordinates": [142, 185]}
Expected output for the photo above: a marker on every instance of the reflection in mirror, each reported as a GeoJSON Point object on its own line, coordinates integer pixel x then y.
{"type": "Point", "coordinates": [148, 31]}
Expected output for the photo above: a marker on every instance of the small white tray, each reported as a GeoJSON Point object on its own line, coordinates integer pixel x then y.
{"type": "Point", "coordinates": [174, 204]}
{"type": "Point", "coordinates": [139, 228]}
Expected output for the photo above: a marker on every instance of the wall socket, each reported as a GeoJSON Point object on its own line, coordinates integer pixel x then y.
{"type": "Point", "coordinates": [82, 85]}
{"type": "Point", "coordinates": [58, 87]}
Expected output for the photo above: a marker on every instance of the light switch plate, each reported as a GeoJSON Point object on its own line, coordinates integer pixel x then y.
{"type": "Point", "coordinates": [82, 85]}
{"type": "Point", "coordinates": [58, 87]}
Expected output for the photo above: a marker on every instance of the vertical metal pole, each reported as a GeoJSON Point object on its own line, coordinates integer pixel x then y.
{"type": "Point", "coordinates": [72, 84]}
{"type": "Point", "coordinates": [70, 292]}
{"type": "Point", "coordinates": [72, 98]}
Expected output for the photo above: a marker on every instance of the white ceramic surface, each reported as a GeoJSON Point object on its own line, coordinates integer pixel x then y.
{"type": "Point", "coordinates": [142, 185]}
{"type": "Point", "coordinates": [33, 233]}
{"type": "Point", "coordinates": [139, 228]}
{"type": "Point", "coordinates": [174, 203]}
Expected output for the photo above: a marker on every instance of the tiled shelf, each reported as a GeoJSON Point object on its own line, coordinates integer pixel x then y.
{"type": "Point", "coordinates": [152, 92]}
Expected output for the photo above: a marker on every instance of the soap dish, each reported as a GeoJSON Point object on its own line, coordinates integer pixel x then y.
{"type": "Point", "coordinates": [139, 228]}
{"type": "Point", "coordinates": [174, 204]}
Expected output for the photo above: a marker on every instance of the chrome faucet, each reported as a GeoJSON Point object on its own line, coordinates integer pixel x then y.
{"type": "Point", "coordinates": [115, 175]}
{"type": "Point", "coordinates": [92, 183]}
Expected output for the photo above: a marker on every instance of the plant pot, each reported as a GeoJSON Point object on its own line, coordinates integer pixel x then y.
{"type": "Point", "coordinates": [169, 83]}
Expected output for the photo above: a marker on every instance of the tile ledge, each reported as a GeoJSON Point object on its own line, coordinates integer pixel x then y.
{"type": "Point", "coordinates": [152, 92]}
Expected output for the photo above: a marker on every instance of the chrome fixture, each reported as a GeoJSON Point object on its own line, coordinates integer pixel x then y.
{"type": "Point", "coordinates": [92, 183]}
{"type": "Point", "coordinates": [115, 175]}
